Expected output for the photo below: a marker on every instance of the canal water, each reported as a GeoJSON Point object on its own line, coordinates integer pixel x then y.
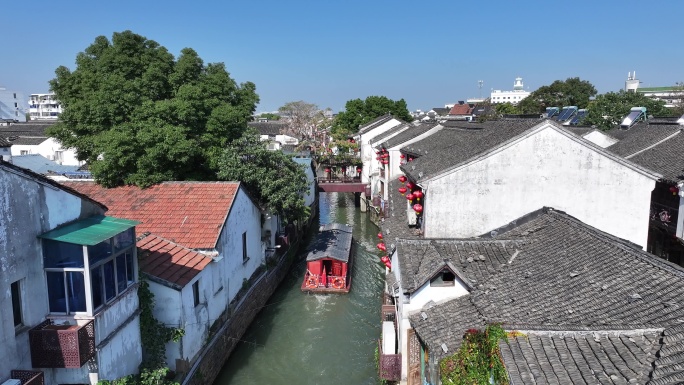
{"type": "Point", "coordinates": [308, 339]}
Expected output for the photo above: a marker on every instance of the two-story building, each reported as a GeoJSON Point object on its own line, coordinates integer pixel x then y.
{"type": "Point", "coordinates": [69, 273]}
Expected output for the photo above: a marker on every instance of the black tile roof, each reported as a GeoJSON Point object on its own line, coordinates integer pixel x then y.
{"type": "Point", "coordinates": [25, 129]}
{"type": "Point", "coordinates": [269, 128]}
{"type": "Point", "coordinates": [616, 357]}
{"type": "Point", "coordinates": [666, 158]}
{"type": "Point", "coordinates": [5, 143]}
{"type": "Point", "coordinates": [441, 111]}
{"type": "Point", "coordinates": [378, 139]}
{"type": "Point", "coordinates": [28, 141]}
{"type": "Point", "coordinates": [375, 123]}
{"type": "Point", "coordinates": [639, 137]}
{"type": "Point", "coordinates": [566, 276]}
{"type": "Point", "coordinates": [333, 240]}
{"type": "Point", "coordinates": [412, 132]}
{"type": "Point", "coordinates": [460, 142]}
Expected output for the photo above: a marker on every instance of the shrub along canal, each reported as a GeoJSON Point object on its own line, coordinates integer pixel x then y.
{"type": "Point", "coordinates": [308, 339]}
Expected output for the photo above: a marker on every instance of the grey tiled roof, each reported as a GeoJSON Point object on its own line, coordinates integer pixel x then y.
{"type": "Point", "coordinates": [579, 131]}
{"type": "Point", "coordinates": [4, 142]}
{"type": "Point", "coordinates": [395, 226]}
{"type": "Point", "coordinates": [409, 134]}
{"type": "Point", "coordinates": [639, 137]}
{"type": "Point", "coordinates": [620, 357]}
{"type": "Point", "coordinates": [379, 138]}
{"type": "Point", "coordinates": [569, 276]}
{"type": "Point", "coordinates": [333, 240]}
{"type": "Point", "coordinates": [25, 129]}
{"type": "Point", "coordinates": [268, 128]}
{"type": "Point", "coordinates": [667, 368]}
{"type": "Point", "coordinates": [375, 123]}
{"type": "Point", "coordinates": [452, 146]}
{"type": "Point", "coordinates": [474, 261]}
{"type": "Point", "coordinates": [441, 111]}
{"type": "Point", "coordinates": [666, 158]}
{"type": "Point", "coordinates": [28, 141]}
{"type": "Point", "coordinates": [446, 323]}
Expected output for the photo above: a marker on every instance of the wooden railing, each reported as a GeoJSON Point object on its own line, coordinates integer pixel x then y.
{"type": "Point", "coordinates": [664, 215]}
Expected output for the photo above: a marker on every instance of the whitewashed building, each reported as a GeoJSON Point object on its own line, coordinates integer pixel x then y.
{"type": "Point", "coordinates": [44, 107]}
{"type": "Point", "coordinates": [12, 105]}
{"type": "Point", "coordinates": [70, 310]}
{"type": "Point", "coordinates": [364, 138]}
{"type": "Point", "coordinates": [218, 230]}
{"type": "Point", "coordinates": [31, 138]}
{"type": "Point", "coordinates": [514, 96]}
{"type": "Point", "coordinates": [475, 180]}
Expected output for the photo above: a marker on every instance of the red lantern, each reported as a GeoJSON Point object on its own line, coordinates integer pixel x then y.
{"type": "Point", "coordinates": [418, 194]}
{"type": "Point", "coordinates": [327, 170]}
{"type": "Point", "coordinates": [402, 179]}
{"type": "Point", "coordinates": [402, 156]}
{"type": "Point", "coordinates": [389, 265]}
{"type": "Point", "coordinates": [418, 208]}
{"type": "Point", "coordinates": [380, 235]}
{"type": "Point", "coordinates": [410, 197]}
{"type": "Point", "coordinates": [385, 161]}
{"type": "Point", "coordinates": [410, 159]}
{"type": "Point", "coordinates": [409, 186]}
{"type": "Point", "coordinates": [385, 155]}
{"type": "Point", "coordinates": [674, 190]}
{"type": "Point", "coordinates": [382, 246]}
{"type": "Point", "coordinates": [358, 169]}
{"type": "Point", "coordinates": [403, 190]}
{"type": "Point", "coordinates": [384, 259]}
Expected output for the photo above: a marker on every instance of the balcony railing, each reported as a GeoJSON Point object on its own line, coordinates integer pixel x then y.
{"type": "Point", "coordinates": [389, 365]}
{"type": "Point", "coordinates": [28, 377]}
{"type": "Point", "coordinates": [61, 346]}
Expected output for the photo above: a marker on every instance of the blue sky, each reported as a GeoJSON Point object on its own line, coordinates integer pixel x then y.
{"type": "Point", "coordinates": [327, 52]}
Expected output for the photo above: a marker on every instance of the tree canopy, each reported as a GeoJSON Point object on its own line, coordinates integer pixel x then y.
{"type": "Point", "coordinates": [272, 178]}
{"type": "Point", "coordinates": [359, 112]}
{"type": "Point", "coordinates": [608, 110]}
{"type": "Point", "coordinates": [571, 92]}
{"type": "Point", "coordinates": [139, 116]}
{"type": "Point", "coordinates": [303, 119]}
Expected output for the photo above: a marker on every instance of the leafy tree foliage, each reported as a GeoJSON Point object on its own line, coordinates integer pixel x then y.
{"type": "Point", "coordinates": [276, 181]}
{"type": "Point", "coordinates": [571, 92]}
{"type": "Point", "coordinates": [359, 112]}
{"type": "Point", "coordinates": [139, 116]}
{"type": "Point", "coordinates": [505, 108]}
{"type": "Point", "coordinates": [270, 116]}
{"type": "Point", "coordinates": [303, 119]}
{"type": "Point", "coordinates": [608, 110]}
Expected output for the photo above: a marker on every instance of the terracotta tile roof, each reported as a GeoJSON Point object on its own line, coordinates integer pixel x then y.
{"type": "Point", "coordinates": [461, 109]}
{"type": "Point", "coordinates": [189, 213]}
{"type": "Point", "coordinates": [169, 261]}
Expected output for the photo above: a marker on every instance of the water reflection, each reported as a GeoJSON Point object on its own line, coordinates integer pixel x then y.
{"type": "Point", "coordinates": [317, 339]}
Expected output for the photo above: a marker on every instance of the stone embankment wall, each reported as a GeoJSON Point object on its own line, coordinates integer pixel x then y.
{"type": "Point", "coordinates": [241, 314]}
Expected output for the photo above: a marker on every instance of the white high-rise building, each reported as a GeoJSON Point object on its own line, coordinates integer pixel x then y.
{"type": "Point", "coordinates": [513, 97]}
{"type": "Point", "coordinates": [44, 107]}
{"type": "Point", "coordinates": [12, 105]}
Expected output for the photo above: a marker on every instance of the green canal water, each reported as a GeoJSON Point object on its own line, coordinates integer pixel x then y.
{"type": "Point", "coordinates": [308, 339]}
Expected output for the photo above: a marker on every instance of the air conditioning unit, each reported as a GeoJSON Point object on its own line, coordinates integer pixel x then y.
{"type": "Point", "coordinates": [12, 381]}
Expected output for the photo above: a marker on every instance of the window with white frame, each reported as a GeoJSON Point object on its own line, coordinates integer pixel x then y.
{"type": "Point", "coordinates": [83, 279]}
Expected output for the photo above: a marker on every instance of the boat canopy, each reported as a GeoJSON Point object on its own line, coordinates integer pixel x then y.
{"type": "Point", "coordinates": [333, 241]}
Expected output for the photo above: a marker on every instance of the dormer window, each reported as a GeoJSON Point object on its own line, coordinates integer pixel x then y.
{"type": "Point", "coordinates": [445, 278]}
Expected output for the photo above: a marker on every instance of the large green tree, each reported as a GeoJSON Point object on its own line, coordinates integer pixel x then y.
{"type": "Point", "coordinates": [139, 116]}
{"type": "Point", "coordinates": [359, 112]}
{"type": "Point", "coordinates": [276, 181]}
{"type": "Point", "coordinates": [571, 92]}
{"type": "Point", "coordinates": [608, 110]}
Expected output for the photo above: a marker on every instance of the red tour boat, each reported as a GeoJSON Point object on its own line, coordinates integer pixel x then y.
{"type": "Point", "coordinates": [329, 262]}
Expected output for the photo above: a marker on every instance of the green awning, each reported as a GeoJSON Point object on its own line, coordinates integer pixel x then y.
{"type": "Point", "coordinates": [89, 231]}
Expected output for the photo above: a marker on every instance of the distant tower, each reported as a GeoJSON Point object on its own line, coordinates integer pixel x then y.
{"type": "Point", "coordinates": [479, 85]}
{"type": "Point", "coordinates": [632, 83]}
{"type": "Point", "coordinates": [518, 85]}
